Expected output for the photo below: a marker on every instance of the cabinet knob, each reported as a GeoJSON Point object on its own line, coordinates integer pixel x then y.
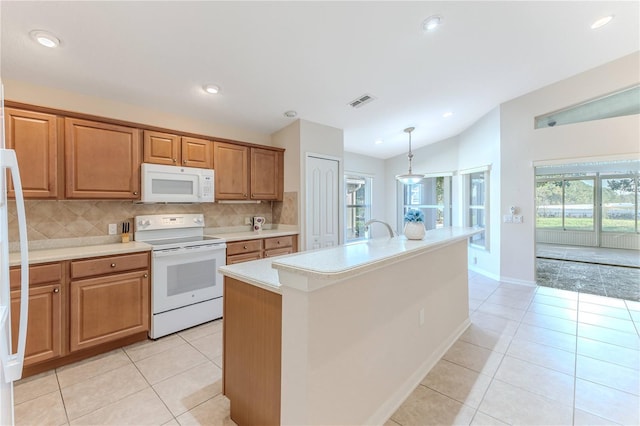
{"type": "Point", "coordinates": [278, 242]}
{"type": "Point", "coordinates": [253, 195]}
{"type": "Point", "coordinates": [56, 290]}
{"type": "Point", "coordinates": [135, 192]}
{"type": "Point", "coordinates": [184, 161]}
{"type": "Point", "coordinates": [146, 275]}
{"type": "Point", "coordinates": [174, 160]}
{"type": "Point", "coordinates": [113, 265]}
{"type": "Point", "coordinates": [244, 247]}
{"type": "Point", "coordinates": [244, 195]}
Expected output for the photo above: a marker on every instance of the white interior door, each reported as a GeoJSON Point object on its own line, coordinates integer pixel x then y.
{"type": "Point", "coordinates": [323, 203]}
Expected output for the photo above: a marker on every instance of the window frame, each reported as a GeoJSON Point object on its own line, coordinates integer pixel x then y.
{"type": "Point", "coordinates": [368, 184]}
{"type": "Point", "coordinates": [447, 205]}
{"type": "Point", "coordinates": [468, 207]}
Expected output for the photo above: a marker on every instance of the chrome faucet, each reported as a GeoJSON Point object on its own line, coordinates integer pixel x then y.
{"type": "Point", "coordinates": [369, 222]}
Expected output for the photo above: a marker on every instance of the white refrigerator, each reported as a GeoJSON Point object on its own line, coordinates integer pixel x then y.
{"type": "Point", "coordinates": [11, 358]}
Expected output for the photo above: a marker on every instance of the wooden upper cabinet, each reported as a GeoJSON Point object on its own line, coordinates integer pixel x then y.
{"type": "Point", "coordinates": [161, 148]}
{"type": "Point", "coordinates": [102, 160]}
{"type": "Point", "coordinates": [266, 174]}
{"type": "Point", "coordinates": [174, 150]}
{"type": "Point", "coordinates": [34, 137]}
{"type": "Point", "coordinates": [231, 171]}
{"type": "Point", "coordinates": [197, 153]}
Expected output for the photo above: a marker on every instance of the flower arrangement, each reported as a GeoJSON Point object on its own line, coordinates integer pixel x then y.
{"type": "Point", "coordinates": [414, 215]}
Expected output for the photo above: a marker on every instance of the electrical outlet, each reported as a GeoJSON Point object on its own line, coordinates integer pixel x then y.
{"type": "Point", "coordinates": [421, 315]}
{"type": "Point", "coordinates": [247, 220]}
{"type": "Point", "coordinates": [113, 228]}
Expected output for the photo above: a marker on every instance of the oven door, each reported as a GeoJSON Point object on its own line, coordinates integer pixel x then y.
{"type": "Point", "coordinates": [186, 275]}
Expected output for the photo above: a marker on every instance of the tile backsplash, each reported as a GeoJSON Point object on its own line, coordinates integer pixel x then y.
{"type": "Point", "coordinates": [51, 219]}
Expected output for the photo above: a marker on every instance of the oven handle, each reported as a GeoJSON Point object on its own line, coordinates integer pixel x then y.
{"type": "Point", "coordinates": [184, 250]}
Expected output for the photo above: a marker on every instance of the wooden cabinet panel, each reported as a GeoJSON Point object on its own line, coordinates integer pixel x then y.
{"type": "Point", "coordinates": [232, 171]}
{"type": "Point", "coordinates": [239, 258]}
{"type": "Point", "coordinates": [161, 148]}
{"type": "Point", "coordinates": [278, 242]}
{"type": "Point", "coordinates": [278, 252]}
{"type": "Point", "coordinates": [44, 323]}
{"type": "Point", "coordinates": [102, 160]}
{"type": "Point", "coordinates": [248, 246]}
{"type": "Point", "coordinates": [266, 174]}
{"type": "Point", "coordinates": [108, 308]}
{"type": "Point", "coordinates": [197, 153]}
{"type": "Point", "coordinates": [108, 265]}
{"type": "Point", "coordinates": [34, 137]}
{"type": "Point", "coordinates": [252, 339]}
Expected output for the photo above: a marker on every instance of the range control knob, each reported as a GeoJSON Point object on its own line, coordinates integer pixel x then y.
{"type": "Point", "coordinates": [197, 220]}
{"type": "Point", "coordinates": [144, 222]}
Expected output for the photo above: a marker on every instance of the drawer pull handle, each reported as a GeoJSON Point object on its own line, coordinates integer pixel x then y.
{"type": "Point", "coordinates": [113, 265]}
{"type": "Point", "coordinates": [56, 290]}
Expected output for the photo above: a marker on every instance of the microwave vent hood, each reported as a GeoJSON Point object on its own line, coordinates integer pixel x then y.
{"type": "Point", "coordinates": [176, 184]}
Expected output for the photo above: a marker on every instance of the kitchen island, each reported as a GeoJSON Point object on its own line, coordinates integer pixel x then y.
{"type": "Point", "coordinates": [341, 335]}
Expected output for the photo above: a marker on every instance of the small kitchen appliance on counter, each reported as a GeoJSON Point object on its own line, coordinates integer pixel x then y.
{"type": "Point", "coordinates": [186, 287]}
{"type": "Point", "coordinates": [258, 223]}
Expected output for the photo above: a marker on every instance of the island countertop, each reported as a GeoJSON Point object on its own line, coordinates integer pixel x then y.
{"type": "Point", "coordinates": [347, 260]}
{"type": "Point", "coordinates": [343, 261]}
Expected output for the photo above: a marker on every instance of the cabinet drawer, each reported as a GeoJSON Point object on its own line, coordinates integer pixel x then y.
{"type": "Point", "coordinates": [247, 246]}
{"type": "Point", "coordinates": [108, 265]}
{"type": "Point", "coordinates": [38, 274]}
{"type": "Point", "coordinates": [278, 242]}
{"type": "Point", "coordinates": [278, 252]}
{"type": "Point", "coordinates": [238, 258]}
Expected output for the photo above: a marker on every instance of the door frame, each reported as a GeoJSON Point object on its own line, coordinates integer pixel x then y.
{"type": "Point", "coordinates": [304, 215]}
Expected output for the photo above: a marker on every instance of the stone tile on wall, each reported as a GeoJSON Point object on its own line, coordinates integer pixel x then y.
{"type": "Point", "coordinates": [51, 219]}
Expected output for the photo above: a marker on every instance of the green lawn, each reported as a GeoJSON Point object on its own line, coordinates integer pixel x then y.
{"type": "Point", "coordinates": [585, 224]}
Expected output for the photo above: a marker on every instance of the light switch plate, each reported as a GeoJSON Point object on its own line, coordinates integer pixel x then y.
{"type": "Point", "coordinates": [507, 218]}
{"type": "Point", "coordinates": [517, 218]}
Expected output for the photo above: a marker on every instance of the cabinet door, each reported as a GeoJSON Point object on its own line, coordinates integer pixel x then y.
{"type": "Point", "coordinates": [266, 174]}
{"type": "Point", "coordinates": [161, 148]}
{"type": "Point", "coordinates": [197, 153]}
{"type": "Point", "coordinates": [44, 321]}
{"type": "Point", "coordinates": [232, 171]}
{"type": "Point", "coordinates": [34, 137]}
{"type": "Point", "coordinates": [108, 308]}
{"type": "Point", "coordinates": [102, 160]}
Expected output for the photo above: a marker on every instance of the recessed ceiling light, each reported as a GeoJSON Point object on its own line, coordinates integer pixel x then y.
{"type": "Point", "coordinates": [601, 22]}
{"type": "Point", "coordinates": [45, 38]}
{"type": "Point", "coordinates": [290, 114]}
{"type": "Point", "coordinates": [378, 142]}
{"type": "Point", "coordinates": [211, 89]}
{"type": "Point", "coordinates": [431, 23]}
{"type": "Point", "coordinates": [447, 114]}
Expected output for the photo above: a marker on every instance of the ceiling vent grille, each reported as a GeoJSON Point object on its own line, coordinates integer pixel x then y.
{"type": "Point", "coordinates": [362, 100]}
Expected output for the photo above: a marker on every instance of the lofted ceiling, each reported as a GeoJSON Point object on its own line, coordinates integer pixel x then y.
{"type": "Point", "coordinates": [315, 58]}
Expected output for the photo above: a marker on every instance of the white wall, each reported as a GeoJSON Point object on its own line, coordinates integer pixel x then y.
{"type": "Point", "coordinates": [373, 167]}
{"type": "Point", "coordinates": [479, 145]}
{"type": "Point", "coordinates": [20, 91]}
{"type": "Point", "coordinates": [521, 145]}
{"type": "Point", "coordinates": [289, 139]}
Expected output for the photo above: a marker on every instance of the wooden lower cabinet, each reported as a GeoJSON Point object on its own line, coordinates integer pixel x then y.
{"type": "Point", "coordinates": [108, 308]}
{"type": "Point", "coordinates": [44, 322]}
{"type": "Point", "coordinates": [259, 248]}
{"type": "Point", "coordinates": [252, 353]}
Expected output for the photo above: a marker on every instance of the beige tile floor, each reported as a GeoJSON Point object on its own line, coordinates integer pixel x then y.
{"type": "Point", "coordinates": [537, 356]}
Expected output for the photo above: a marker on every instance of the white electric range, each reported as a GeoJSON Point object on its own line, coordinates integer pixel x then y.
{"type": "Point", "coordinates": [186, 287]}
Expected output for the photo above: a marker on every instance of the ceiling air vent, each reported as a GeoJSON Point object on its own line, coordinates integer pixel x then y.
{"type": "Point", "coordinates": [361, 100]}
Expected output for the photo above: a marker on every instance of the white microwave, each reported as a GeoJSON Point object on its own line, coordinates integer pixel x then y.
{"type": "Point", "coordinates": [175, 184]}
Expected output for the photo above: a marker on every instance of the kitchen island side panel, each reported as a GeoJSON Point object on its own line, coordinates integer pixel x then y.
{"type": "Point", "coordinates": [354, 350]}
{"type": "Point", "coordinates": [252, 352]}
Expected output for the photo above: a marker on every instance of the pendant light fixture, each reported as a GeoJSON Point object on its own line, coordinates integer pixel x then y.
{"type": "Point", "coordinates": [410, 177]}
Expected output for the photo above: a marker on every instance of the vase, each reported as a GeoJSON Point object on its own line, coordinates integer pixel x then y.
{"type": "Point", "coordinates": [414, 230]}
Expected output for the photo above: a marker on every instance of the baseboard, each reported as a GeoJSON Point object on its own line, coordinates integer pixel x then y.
{"type": "Point", "coordinates": [484, 272]}
{"type": "Point", "coordinates": [517, 281]}
{"type": "Point", "coordinates": [390, 406]}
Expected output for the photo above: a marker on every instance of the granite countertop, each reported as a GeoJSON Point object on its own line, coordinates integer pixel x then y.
{"type": "Point", "coordinates": [69, 253]}
{"type": "Point", "coordinates": [256, 272]}
{"type": "Point", "coordinates": [235, 235]}
{"type": "Point", "coordinates": [343, 261]}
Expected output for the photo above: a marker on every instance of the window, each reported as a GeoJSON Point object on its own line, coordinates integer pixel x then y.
{"type": "Point", "coordinates": [620, 203]}
{"type": "Point", "coordinates": [432, 196]}
{"type": "Point", "coordinates": [358, 204]}
{"type": "Point", "coordinates": [565, 203]}
{"type": "Point", "coordinates": [478, 206]}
